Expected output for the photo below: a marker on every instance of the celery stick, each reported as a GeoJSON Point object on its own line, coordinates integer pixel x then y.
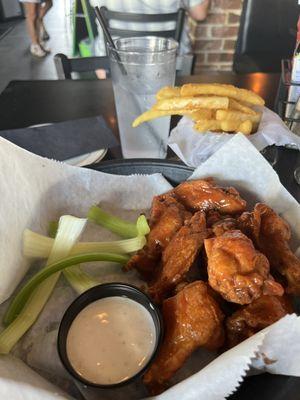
{"type": "Point", "coordinates": [68, 233]}
{"type": "Point", "coordinates": [23, 295]}
{"type": "Point", "coordinates": [142, 225]}
{"type": "Point", "coordinates": [36, 245]}
{"type": "Point", "coordinates": [39, 246]}
{"type": "Point", "coordinates": [52, 229]}
{"type": "Point", "coordinates": [114, 224]}
{"type": "Point", "coordinates": [78, 279]}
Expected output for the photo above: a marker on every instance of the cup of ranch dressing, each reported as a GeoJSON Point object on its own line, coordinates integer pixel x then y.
{"type": "Point", "coordinates": [109, 335]}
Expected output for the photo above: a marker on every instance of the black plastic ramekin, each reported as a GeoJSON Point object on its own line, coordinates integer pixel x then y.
{"type": "Point", "coordinates": [88, 297]}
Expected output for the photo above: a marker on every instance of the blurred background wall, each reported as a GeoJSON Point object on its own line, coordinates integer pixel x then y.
{"type": "Point", "coordinates": [214, 39]}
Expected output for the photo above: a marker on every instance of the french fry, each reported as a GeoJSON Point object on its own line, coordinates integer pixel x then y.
{"type": "Point", "coordinates": [246, 127]}
{"type": "Point", "coordinates": [168, 92]}
{"type": "Point", "coordinates": [196, 89]}
{"type": "Point", "coordinates": [202, 113]}
{"type": "Point", "coordinates": [192, 103]}
{"type": "Point", "coordinates": [235, 105]}
{"type": "Point", "coordinates": [237, 116]}
{"type": "Point", "coordinates": [213, 107]}
{"type": "Point", "coordinates": [207, 125]}
{"type": "Point", "coordinates": [152, 114]}
{"type": "Point", "coordinates": [225, 126]}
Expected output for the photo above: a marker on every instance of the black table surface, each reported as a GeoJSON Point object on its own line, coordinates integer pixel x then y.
{"type": "Point", "coordinates": [25, 103]}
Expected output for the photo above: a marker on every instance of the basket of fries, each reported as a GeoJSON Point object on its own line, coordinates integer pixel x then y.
{"type": "Point", "coordinates": [211, 113]}
{"type": "Point", "coordinates": [212, 107]}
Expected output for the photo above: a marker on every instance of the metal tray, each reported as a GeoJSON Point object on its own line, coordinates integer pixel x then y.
{"type": "Point", "coordinates": [264, 386]}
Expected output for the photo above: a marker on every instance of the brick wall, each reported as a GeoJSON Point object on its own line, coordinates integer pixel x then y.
{"type": "Point", "coordinates": [214, 38]}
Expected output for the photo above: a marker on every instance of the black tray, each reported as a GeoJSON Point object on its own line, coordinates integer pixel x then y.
{"type": "Point", "coordinates": [174, 171]}
{"type": "Point", "coordinates": [264, 386]}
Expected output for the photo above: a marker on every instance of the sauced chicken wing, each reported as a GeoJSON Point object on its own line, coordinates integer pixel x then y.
{"type": "Point", "coordinates": [237, 270]}
{"type": "Point", "coordinates": [212, 216]}
{"type": "Point", "coordinates": [166, 218]}
{"type": "Point", "coordinates": [205, 195]}
{"type": "Point", "coordinates": [159, 205]}
{"type": "Point", "coordinates": [179, 256]}
{"type": "Point", "coordinates": [219, 223]}
{"type": "Point", "coordinates": [271, 234]}
{"type": "Point", "coordinates": [227, 224]}
{"type": "Point", "coordinates": [250, 319]}
{"type": "Point", "coordinates": [192, 319]}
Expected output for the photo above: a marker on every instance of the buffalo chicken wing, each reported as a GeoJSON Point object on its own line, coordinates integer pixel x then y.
{"type": "Point", "coordinates": [179, 256]}
{"type": "Point", "coordinates": [192, 319]}
{"type": "Point", "coordinates": [237, 270]}
{"type": "Point", "coordinates": [271, 234]}
{"type": "Point", "coordinates": [204, 195]}
{"type": "Point", "coordinates": [166, 218]}
{"type": "Point", "coordinates": [250, 319]}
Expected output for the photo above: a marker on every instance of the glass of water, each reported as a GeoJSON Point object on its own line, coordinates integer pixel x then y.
{"type": "Point", "coordinates": [140, 66]}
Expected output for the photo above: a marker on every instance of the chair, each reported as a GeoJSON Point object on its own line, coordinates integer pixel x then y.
{"type": "Point", "coordinates": [267, 34]}
{"type": "Point", "coordinates": [176, 17]}
{"type": "Point", "coordinates": [185, 63]}
{"type": "Point", "coordinates": [66, 66]}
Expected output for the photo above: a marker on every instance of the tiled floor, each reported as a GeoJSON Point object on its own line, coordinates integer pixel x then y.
{"type": "Point", "coordinates": [16, 62]}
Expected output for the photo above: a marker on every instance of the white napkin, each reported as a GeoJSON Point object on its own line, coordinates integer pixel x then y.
{"type": "Point", "coordinates": [193, 147]}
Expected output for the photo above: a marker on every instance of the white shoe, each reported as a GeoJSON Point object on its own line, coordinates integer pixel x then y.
{"type": "Point", "coordinates": [44, 46]}
{"type": "Point", "coordinates": [37, 51]}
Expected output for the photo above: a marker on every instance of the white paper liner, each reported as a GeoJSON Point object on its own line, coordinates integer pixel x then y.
{"type": "Point", "coordinates": [19, 382]}
{"type": "Point", "coordinates": [193, 147]}
{"type": "Point", "coordinates": [36, 190]}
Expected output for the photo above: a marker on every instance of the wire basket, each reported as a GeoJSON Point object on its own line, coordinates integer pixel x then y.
{"type": "Point", "coordinates": [286, 109]}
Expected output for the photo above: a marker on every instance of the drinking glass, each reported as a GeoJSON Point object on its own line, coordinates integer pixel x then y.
{"type": "Point", "coordinates": [140, 66]}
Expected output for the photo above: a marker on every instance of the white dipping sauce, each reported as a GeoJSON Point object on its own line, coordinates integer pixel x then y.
{"type": "Point", "coordinates": [111, 340]}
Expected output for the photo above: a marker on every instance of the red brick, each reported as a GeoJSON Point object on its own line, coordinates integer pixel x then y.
{"type": "Point", "coordinates": [211, 68]}
{"type": "Point", "coordinates": [229, 44]}
{"type": "Point", "coordinates": [215, 18]}
{"type": "Point", "coordinates": [200, 58]}
{"type": "Point", "coordinates": [208, 45]}
{"type": "Point", "coordinates": [227, 67]}
{"type": "Point", "coordinates": [219, 57]}
{"type": "Point", "coordinates": [233, 18]}
{"type": "Point", "coordinates": [227, 4]}
{"type": "Point", "coordinates": [224, 31]}
{"type": "Point", "coordinates": [201, 32]}
{"type": "Point", "coordinates": [200, 68]}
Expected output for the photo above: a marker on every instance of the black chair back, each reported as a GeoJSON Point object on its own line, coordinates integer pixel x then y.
{"type": "Point", "coordinates": [65, 66]}
{"type": "Point", "coordinates": [86, 66]}
{"type": "Point", "coordinates": [177, 17]}
{"type": "Point", "coordinates": [267, 34]}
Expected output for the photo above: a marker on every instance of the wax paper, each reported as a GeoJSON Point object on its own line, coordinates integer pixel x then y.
{"type": "Point", "coordinates": [35, 190]}
{"type": "Point", "coordinates": [193, 147]}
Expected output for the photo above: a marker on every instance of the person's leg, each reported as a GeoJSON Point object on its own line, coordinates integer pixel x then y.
{"type": "Point", "coordinates": [31, 10]}
{"type": "Point", "coordinates": [44, 8]}
{"type": "Point", "coordinates": [31, 21]}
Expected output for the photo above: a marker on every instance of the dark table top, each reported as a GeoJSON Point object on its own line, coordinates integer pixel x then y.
{"type": "Point", "coordinates": [26, 103]}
